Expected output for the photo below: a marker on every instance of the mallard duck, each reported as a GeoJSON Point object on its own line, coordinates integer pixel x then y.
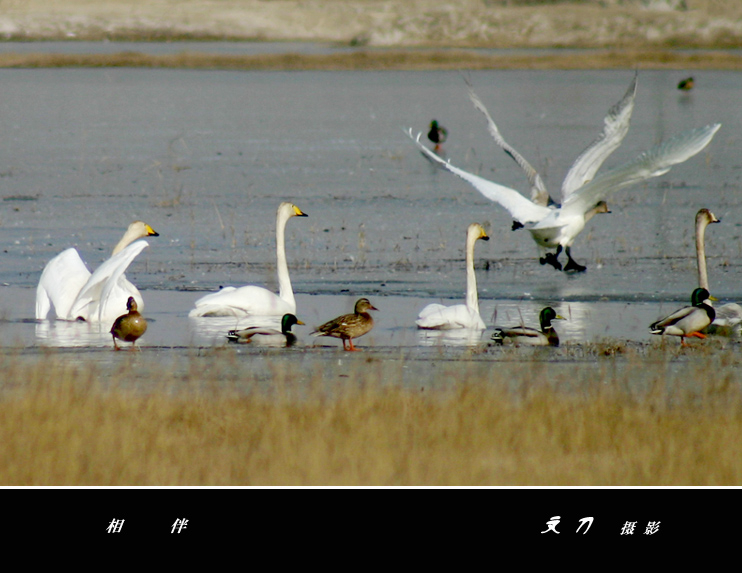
{"type": "Point", "coordinates": [728, 316]}
{"type": "Point", "coordinates": [547, 336]}
{"type": "Point", "coordinates": [686, 84]}
{"type": "Point", "coordinates": [437, 134]}
{"type": "Point", "coordinates": [689, 320]}
{"type": "Point", "coordinates": [254, 300]}
{"type": "Point", "coordinates": [583, 192]}
{"type": "Point", "coordinates": [67, 285]}
{"type": "Point", "coordinates": [440, 317]}
{"type": "Point", "coordinates": [349, 326]}
{"type": "Point", "coordinates": [265, 336]}
{"type": "Point", "coordinates": [130, 326]}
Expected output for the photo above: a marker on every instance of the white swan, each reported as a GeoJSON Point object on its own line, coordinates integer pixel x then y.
{"type": "Point", "coordinates": [440, 317]}
{"type": "Point", "coordinates": [615, 127]}
{"type": "Point", "coordinates": [67, 285]}
{"type": "Point", "coordinates": [583, 192]}
{"type": "Point", "coordinates": [254, 300]}
{"type": "Point", "coordinates": [728, 316]}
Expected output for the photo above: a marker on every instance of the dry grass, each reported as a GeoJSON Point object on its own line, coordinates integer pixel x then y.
{"type": "Point", "coordinates": [207, 422]}
{"type": "Point", "coordinates": [388, 60]}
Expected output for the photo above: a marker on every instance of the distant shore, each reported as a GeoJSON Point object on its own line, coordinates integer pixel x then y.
{"type": "Point", "coordinates": [415, 34]}
{"type": "Point", "coordinates": [394, 59]}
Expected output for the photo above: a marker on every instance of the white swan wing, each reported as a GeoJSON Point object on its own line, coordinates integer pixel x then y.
{"type": "Point", "coordinates": [615, 128]}
{"type": "Point", "coordinates": [729, 314]}
{"type": "Point", "coordinates": [539, 194]}
{"type": "Point", "coordinates": [243, 301]}
{"type": "Point", "coordinates": [441, 317]}
{"type": "Point", "coordinates": [61, 280]}
{"type": "Point", "coordinates": [104, 294]}
{"type": "Point", "coordinates": [652, 163]}
{"type": "Point", "coordinates": [521, 209]}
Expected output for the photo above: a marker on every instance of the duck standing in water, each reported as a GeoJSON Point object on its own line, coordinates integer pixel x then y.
{"type": "Point", "coordinates": [689, 320]}
{"type": "Point", "coordinates": [437, 134]}
{"type": "Point", "coordinates": [266, 336]}
{"type": "Point", "coordinates": [525, 335]}
{"type": "Point", "coordinates": [130, 326]}
{"type": "Point", "coordinates": [349, 326]}
{"type": "Point", "coordinates": [686, 85]}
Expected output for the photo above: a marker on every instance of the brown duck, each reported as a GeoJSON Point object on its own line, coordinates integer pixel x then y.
{"type": "Point", "coordinates": [130, 326]}
{"type": "Point", "coordinates": [349, 326]}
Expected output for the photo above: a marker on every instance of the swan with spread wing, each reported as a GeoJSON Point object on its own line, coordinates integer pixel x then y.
{"type": "Point", "coordinates": [584, 192]}
{"type": "Point", "coordinates": [67, 286]}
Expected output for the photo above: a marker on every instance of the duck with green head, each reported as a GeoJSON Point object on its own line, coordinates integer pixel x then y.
{"type": "Point", "coordinates": [688, 321]}
{"type": "Point", "coordinates": [266, 336]}
{"type": "Point", "coordinates": [528, 336]}
{"type": "Point", "coordinates": [437, 134]}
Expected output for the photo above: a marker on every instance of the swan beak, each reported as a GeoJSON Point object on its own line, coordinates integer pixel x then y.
{"type": "Point", "coordinates": [151, 232]}
{"type": "Point", "coordinates": [484, 238]}
{"type": "Point", "coordinates": [298, 212]}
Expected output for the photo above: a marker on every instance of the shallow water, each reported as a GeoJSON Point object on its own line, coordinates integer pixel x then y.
{"type": "Point", "coordinates": [206, 156]}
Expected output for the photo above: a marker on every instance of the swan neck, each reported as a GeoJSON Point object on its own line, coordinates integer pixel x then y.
{"type": "Point", "coordinates": [472, 301]}
{"type": "Point", "coordinates": [703, 280]}
{"type": "Point", "coordinates": [285, 291]}
{"type": "Point", "coordinates": [128, 238]}
{"type": "Point", "coordinates": [591, 213]}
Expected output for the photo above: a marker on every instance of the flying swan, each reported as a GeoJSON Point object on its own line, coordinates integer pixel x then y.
{"type": "Point", "coordinates": [583, 192]}
{"type": "Point", "coordinates": [254, 300]}
{"type": "Point", "coordinates": [67, 285]}
{"type": "Point", "coordinates": [440, 317]}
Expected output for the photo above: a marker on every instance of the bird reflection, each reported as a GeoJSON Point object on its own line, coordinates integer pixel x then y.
{"type": "Point", "coordinates": [62, 333]}
{"type": "Point", "coordinates": [459, 337]}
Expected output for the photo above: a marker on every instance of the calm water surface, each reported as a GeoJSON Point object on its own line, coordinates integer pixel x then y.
{"type": "Point", "coordinates": [205, 157]}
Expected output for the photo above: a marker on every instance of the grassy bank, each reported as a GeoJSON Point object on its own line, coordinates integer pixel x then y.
{"type": "Point", "coordinates": [389, 60]}
{"type": "Point", "coordinates": [212, 421]}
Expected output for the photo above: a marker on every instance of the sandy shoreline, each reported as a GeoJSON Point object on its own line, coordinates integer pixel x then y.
{"type": "Point", "coordinates": [416, 34]}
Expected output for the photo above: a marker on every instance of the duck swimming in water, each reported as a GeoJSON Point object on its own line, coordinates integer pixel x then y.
{"type": "Point", "coordinates": [265, 336]}
{"type": "Point", "coordinates": [528, 336]}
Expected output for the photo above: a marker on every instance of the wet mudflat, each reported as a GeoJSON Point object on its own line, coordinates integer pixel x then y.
{"type": "Point", "coordinates": [205, 157]}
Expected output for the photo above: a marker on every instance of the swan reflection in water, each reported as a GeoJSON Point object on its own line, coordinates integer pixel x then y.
{"type": "Point", "coordinates": [65, 333]}
{"type": "Point", "coordinates": [458, 337]}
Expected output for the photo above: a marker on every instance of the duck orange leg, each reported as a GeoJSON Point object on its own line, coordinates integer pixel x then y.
{"type": "Point", "coordinates": [697, 334]}
{"type": "Point", "coordinates": [350, 345]}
